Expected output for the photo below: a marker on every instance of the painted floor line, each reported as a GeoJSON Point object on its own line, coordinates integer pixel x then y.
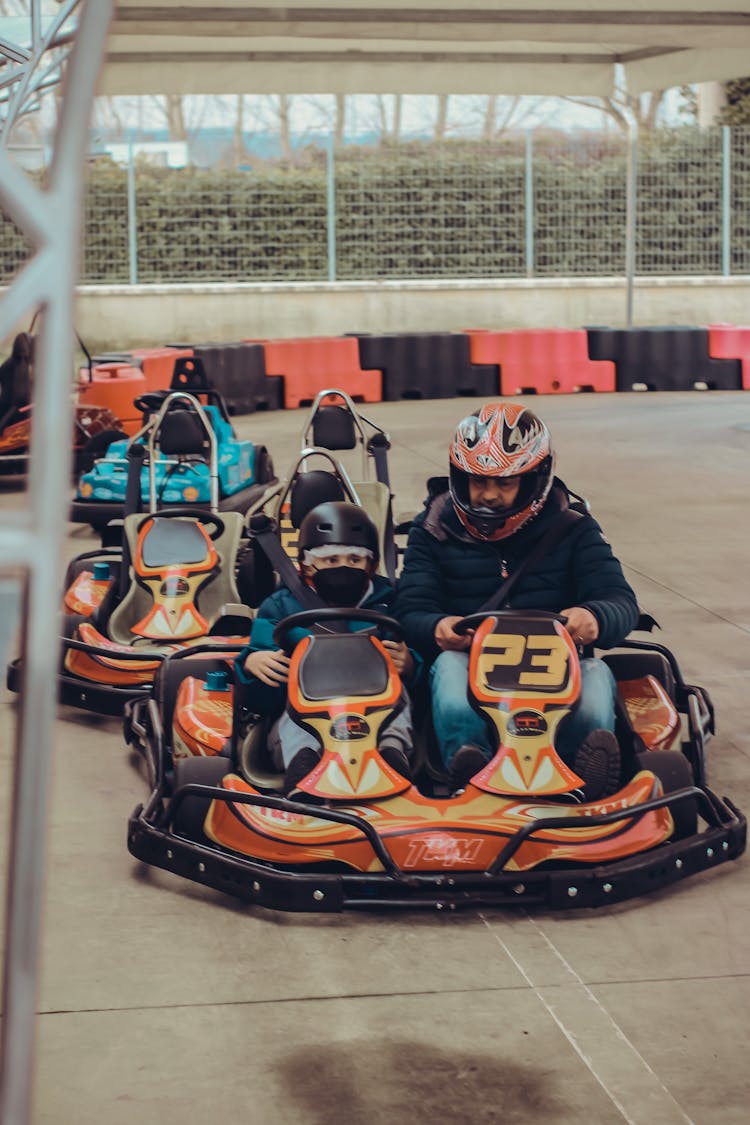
{"type": "Point", "coordinates": [573, 1038]}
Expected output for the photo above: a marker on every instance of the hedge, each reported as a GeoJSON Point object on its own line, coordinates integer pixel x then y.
{"type": "Point", "coordinates": [454, 210]}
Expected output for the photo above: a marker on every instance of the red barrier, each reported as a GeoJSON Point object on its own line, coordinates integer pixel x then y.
{"type": "Point", "coordinates": [730, 341]}
{"type": "Point", "coordinates": [158, 365]}
{"type": "Point", "coordinates": [115, 385]}
{"type": "Point", "coordinates": [542, 360]}
{"type": "Point", "coordinates": [311, 365]}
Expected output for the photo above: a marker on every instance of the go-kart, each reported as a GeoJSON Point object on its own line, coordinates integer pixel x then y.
{"type": "Point", "coordinates": [193, 457]}
{"type": "Point", "coordinates": [520, 833]}
{"type": "Point", "coordinates": [171, 583]}
{"type": "Point", "coordinates": [316, 476]}
{"type": "Point", "coordinates": [334, 425]}
{"type": "Point", "coordinates": [92, 425]}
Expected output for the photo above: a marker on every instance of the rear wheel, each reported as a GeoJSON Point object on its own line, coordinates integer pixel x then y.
{"type": "Point", "coordinates": [674, 772]}
{"type": "Point", "coordinates": [191, 812]}
{"type": "Point", "coordinates": [95, 447]}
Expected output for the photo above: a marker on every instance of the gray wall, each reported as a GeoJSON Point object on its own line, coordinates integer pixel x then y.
{"type": "Point", "coordinates": [110, 317]}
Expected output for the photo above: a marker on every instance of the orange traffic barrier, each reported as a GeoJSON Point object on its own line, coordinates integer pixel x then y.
{"type": "Point", "coordinates": [310, 365]}
{"type": "Point", "coordinates": [730, 341]}
{"type": "Point", "coordinates": [542, 360]}
{"type": "Point", "coordinates": [158, 365]}
{"type": "Point", "coordinates": [116, 385]}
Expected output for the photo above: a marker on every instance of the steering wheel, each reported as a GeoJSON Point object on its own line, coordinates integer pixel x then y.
{"type": "Point", "coordinates": [150, 401]}
{"type": "Point", "coordinates": [475, 619]}
{"type": "Point", "coordinates": [387, 626]}
{"type": "Point", "coordinates": [210, 519]}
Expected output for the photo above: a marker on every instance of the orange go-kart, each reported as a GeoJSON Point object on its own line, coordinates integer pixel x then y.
{"type": "Point", "coordinates": [171, 585]}
{"type": "Point", "coordinates": [93, 428]}
{"type": "Point", "coordinates": [519, 833]}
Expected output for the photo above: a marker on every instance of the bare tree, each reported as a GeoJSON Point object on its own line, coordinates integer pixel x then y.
{"type": "Point", "coordinates": [647, 109]}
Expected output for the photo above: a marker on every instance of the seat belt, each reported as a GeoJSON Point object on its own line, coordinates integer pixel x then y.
{"type": "Point", "coordinates": [263, 531]}
{"type": "Point", "coordinates": [378, 447]}
{"type": "Point", "coordinates": [562, 526]}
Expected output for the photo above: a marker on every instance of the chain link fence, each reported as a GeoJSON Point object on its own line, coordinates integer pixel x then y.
{"type": "Point", "coordinates": [533, 206]}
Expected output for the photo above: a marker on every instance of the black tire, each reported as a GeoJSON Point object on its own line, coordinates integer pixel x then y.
{"type": "Point", "coordinates": [674, 772]}
{"type": "Point", "coordinates": [191, 812]}
{"type": "Point", "coordinates": [95, 447]}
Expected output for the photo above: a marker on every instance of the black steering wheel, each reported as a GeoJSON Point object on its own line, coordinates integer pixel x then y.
{"type": "Point", "coordinates": [150, 401]}
{"type": "Point", "coordinates": [475, 619]}
{"type": "Point", "coordinates": [202, 515]}
{"type": "Point", "coordinates": [388, 627]}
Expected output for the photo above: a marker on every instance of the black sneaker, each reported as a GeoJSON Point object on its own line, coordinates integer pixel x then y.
{"type": "Point", "coordinates": [396, 758]}
{"type": "Point", "coordinates": [303, 763]}
{"type": "Point", "coordinates": [467, 762]}
{"type": "Point", "coordinates": [598, 765]}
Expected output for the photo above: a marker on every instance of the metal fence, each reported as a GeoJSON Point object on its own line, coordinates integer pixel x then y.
{"type": "Point", "coordinates": [535, 206]}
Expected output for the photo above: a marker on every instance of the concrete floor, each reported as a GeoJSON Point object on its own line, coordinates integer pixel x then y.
{"type": "Point", "coordinates": [164, 1002]}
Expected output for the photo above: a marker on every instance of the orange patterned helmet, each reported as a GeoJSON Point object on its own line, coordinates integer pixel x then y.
{"type": "Point", "coordinates": [502, 439]}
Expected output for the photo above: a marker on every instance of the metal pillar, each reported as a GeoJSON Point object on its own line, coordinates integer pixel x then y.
{"type": "Point", "coordinates": [631, 209]}
{"type": "Point", "coordinates": [32, 539]}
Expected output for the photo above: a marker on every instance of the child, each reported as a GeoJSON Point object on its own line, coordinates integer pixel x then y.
{"type": "Point", "coordinates": [338, 554]}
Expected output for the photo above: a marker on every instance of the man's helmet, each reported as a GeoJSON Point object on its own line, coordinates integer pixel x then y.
{"type": "Point", "coordinates": [502, 439]}
{"type": "Point", "coordinates": [341, 524]}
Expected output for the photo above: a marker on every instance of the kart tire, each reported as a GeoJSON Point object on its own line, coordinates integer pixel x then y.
{"type": "Point", "coordinates": [96, 447]}
{"type": "Point", "coordinates": [674, 772]}
{"type": "Point", "coordinates": [191, 812]}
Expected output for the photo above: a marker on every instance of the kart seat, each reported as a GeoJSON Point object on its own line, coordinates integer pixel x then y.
{"type": "Point", "coordinates": [333, 428]}
{"type": "Point", "coordinates": [652, 713]}
{"type": "Point", "coordinates": [318, 486]}
{"type": "Point", "coordinates": [375, 498]}
{"type": "Point", "coordinates": [182, 433]}
{"type": "Point", "coordinates": [180, 577]}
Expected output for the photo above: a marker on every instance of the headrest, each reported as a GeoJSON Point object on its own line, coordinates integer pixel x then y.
{"type": "Point", "coordinates": [318, 486]}
{"type": "Point", "coordinates": [181, 431]}
{"type": "Point", "coordinates": [333, 428]}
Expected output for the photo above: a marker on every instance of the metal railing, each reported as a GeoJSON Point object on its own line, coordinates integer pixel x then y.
{"type": "Point", "coordinates": [531, 207]}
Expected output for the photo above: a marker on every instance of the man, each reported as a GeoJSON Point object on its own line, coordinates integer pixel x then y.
{"type": "Point", "coordinates": [502, 499]}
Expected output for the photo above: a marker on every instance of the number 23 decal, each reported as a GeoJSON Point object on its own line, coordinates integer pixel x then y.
{"type": "Point", "coordinates": [542, 661]}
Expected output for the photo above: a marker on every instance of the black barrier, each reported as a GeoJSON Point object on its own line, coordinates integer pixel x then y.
{"type": "Point", "coordinates": [663, 359]}
{"type": "Point", "coordinates": [427, 365]}
{"type": "Point", "coordinates": [238, 372]}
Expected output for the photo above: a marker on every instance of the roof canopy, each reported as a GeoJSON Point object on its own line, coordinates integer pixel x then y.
{"type": "Point", "coordinates": [419, 47]}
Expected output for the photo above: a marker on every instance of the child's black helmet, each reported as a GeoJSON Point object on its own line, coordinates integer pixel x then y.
{"type": "Point", "coordinates": [338, 523]}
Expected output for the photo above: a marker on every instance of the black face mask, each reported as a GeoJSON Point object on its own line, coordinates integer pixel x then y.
{"type": "Point", "coordinates": [341, 585]}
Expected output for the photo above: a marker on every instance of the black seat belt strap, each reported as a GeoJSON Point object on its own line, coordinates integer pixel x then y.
{"type": "Point", "coordinates": [565, 523]}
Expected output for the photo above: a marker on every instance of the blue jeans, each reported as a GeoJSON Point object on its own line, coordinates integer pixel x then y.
{"type": "Point", "coordinates": [456, 721]}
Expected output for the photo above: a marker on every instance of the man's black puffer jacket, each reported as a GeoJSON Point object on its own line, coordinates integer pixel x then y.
{"type": "Point", "coordinates": [447, 572]}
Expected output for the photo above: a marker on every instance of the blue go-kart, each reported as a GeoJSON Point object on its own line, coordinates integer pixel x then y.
{"type": "Point", "coordinates": [192, 457]}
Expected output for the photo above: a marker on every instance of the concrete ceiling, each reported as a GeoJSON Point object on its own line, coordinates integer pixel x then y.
{"type": "Point", "coordinates": [480, 46]}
